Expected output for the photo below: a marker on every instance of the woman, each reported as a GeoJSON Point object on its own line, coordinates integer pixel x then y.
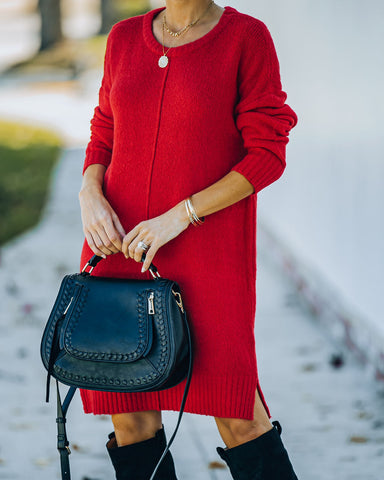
{"type": "Point", "coordinates": [190, 105]}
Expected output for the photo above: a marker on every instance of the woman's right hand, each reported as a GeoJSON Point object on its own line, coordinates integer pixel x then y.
{"type": "Point", "coordinates": [101, 225]}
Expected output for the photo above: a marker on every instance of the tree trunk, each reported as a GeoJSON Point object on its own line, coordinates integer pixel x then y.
{"type": "Point", "coordinates": [107, 16]}
{"type": "Point", "coordinates": [50, 13]}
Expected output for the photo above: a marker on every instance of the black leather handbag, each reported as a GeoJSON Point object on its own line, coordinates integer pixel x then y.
{"type": "Point", "coordinates": [116, 335]}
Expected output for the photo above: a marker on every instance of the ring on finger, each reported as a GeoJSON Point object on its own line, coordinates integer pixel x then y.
{"type": "Point", "coordinates": [143, 245]}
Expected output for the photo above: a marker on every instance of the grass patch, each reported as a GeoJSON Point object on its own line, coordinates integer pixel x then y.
{"type": "Point", "coordinates": [27, 156]}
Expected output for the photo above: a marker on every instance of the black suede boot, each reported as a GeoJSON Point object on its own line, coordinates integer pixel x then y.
{"type": "Point", "coordinates": [138, 460]}
{"type": "Point", "coordinates": [263, 458]}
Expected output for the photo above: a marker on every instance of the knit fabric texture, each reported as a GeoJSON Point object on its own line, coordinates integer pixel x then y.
{"type": "Point", "coordinates": [165, 134]}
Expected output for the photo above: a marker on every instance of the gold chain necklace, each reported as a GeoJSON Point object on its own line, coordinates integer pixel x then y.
{"type": "Point", "coordinates": [181, 31]}
{"type": "Point", "coordinates": [163, 60]}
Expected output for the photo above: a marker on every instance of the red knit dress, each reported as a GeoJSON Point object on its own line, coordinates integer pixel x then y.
{"type": "Point", "coordinates": [165, 134]}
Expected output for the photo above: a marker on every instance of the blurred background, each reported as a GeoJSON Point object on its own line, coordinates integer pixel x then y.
{"type": "Point", "coordinates": [320, 231]}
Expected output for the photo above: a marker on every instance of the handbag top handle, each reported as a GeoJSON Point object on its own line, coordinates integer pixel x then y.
{"type": "Point", "coordinates": [96, 259]}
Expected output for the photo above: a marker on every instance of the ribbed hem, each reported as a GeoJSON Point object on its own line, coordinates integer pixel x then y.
{"type": "Point", "coordinates": [260, 167]}
{"type": "Point", "coordinates": [212, 396]}
{"type": "Point", "coordinates": [96, 156]}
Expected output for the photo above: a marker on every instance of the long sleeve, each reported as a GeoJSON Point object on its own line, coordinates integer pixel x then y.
{"type": "Point", "coordinates": [262, 116]}
{"type": "Point", "coordinates": [99, 148]}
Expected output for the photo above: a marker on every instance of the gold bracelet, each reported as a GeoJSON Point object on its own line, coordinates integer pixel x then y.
{"type": "Point", "coordinates": [193, 217]}
{"type": "Point", "coordinates": [198, 220]}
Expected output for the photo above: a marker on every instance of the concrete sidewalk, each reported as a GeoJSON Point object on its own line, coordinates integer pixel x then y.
{"type": "Point", "coordinates": [332, 419]}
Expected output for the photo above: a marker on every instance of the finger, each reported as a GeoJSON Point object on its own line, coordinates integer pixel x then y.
{"type": "Point", "coordinates": [105, 239]}
{"type": "Point", "coordinates": [149, 255]}
{"type": "Point", "coordinates": [136, 251]}
{"type": "Point", "coordinates": [92, 245]}
{"type": "Point", "coordinates": [100, 244]}
{"type": "Point", "coordinates": [128, 239]}
{"type": "Point", "coordinates": [139, 250]}
{"type": "Point", "coordinates": [113, 237]}
{"type": "Point", "coordinates": [118, 225]}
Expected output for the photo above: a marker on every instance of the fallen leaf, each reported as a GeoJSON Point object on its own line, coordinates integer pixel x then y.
{"type": "Point", "coordinates": [358, 439]}
{"type": "Point", "coordinates": [42, 462]}
{"type": "Point", "coordinates": [309, 367]}
{"type": "Point", "coordinates": [216, 465]}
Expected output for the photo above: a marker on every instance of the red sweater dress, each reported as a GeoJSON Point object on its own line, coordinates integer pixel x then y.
{"type": "Point", "coordinates": [165, 134]}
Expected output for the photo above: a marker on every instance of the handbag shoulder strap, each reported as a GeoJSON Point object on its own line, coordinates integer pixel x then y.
{"type": "Point", "coordinates": [62, 440]}
{"type": "Point", "coordinates": [62, 408]}
{"type": "Point", "coordinates": [183, 401]}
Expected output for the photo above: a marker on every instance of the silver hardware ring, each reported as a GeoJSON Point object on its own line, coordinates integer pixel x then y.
{"type": "Point", "coordinates": [85, 268]}
{"type": "Point", "coordinates": [154, 275]}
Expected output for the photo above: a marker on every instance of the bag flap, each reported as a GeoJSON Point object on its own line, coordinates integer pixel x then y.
{"type": "Point", "coordinates": [108, 320]}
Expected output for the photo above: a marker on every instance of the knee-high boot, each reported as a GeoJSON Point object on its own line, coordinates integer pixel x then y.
{"type": "Point", "coordinates": [264, 458]}
{"type": "Point", "coordinates": [138, 460]}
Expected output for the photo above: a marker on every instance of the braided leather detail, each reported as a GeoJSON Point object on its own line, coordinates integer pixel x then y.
{"type": "Point", "coordinates": [62, 304]}
{"type": "Point", "coordinates": [161, 325]}
{"type": "Point", "coordinates": [103, 381]}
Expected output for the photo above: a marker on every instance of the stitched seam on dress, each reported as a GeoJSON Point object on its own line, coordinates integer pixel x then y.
{"type": "Point", "coordinates": [156, 139]}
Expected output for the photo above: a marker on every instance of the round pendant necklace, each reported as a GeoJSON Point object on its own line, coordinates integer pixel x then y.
{"type": "Point", "coordinates": [164, 60]}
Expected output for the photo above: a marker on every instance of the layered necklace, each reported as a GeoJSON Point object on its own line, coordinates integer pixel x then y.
{"type": "Point", "coordinates": [163, 60]}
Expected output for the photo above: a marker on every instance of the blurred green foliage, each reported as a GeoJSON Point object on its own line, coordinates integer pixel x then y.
{"type": "Point", "coordinates": [27, 156]}
{"type": "Point", "coordinates": [113, 11]}
{"type": "Point", "coordinates": [129, 8]}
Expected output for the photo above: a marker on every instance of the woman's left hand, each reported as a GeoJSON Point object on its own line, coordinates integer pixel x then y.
{"type": "Point", "coordinates": [155, 232]}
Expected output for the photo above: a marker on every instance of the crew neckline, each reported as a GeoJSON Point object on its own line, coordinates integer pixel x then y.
{"type": "Point", "coordinates": [157, 47]}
